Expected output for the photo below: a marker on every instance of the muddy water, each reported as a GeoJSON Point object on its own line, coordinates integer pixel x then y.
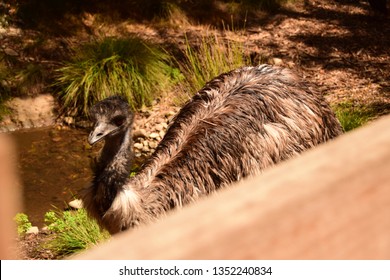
{"type": "Point", "coordinates": [54, 166]}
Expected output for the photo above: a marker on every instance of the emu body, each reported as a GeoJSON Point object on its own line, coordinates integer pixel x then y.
{"type": "Point", "coordinates": [240, 123]}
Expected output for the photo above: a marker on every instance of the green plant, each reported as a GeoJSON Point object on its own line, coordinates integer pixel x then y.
{"type": "Point", "coordinates": [5, 86]}
{"type": "Point", "coordinates": [214, 56]}
{"type": "Point", "coordinates": [22, 223]}
{"type": "Point", "coordinates": [171, 15]}
{"type": "Point", "coordinates": [125, 66]}
{"type": "Point", "coordinates": [352, 116]}
{"type": "Point", "coordinates": [73, 231]}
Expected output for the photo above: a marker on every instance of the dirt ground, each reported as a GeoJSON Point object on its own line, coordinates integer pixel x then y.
{"type": "Point", "coordinates": [342, 46]}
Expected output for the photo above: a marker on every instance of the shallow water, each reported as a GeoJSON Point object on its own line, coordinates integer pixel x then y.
{"type": "Point", "coordinates": [54, 166]}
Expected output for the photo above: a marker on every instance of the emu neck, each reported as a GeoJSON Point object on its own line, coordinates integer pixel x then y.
{"type": "Point", "coordinates": [113, 169]}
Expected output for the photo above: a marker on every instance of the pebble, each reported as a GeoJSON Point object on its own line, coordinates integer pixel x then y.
{"type": "Point", "coordinates": [56, 139]}
{"type": "Point", "coordinates": [159, 127]}
{"type": "Point", "coordinates": [154, 135]}
{"type": "Point", "coordinates": [139, 133]}
{"type": "Point", "coordinates": [161, 134]}
{"type": "Point", "coordinates": [145, 149]}
{"type": "Point", "coordinates": [10, 52]}
{"type": "Point", "coordinates": [32, 230]}
{"type": "Point", "coordinates": [277, 61]}
{"type": "Point", "coordinates": [138, 146]}
{"type": "Point", "coordinates": [76, 204]}
{"type": "Point", "coordinates": [153, 145]}
{"type": "Point", "coordinates": [69, 120]}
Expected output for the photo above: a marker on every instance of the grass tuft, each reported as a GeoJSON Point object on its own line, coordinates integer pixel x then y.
{"type": "Point", "coordinates": [352, 116]}
{"type": "Point", "coordinates": [126, 66]}
{"type": "Point", "coordinates": [73, 232]}
{"type": "Point", "coordinates": [23, 223]}
{"type": "Point", "coordinates": [5, 87]}
{"type": "Point", "coordinates": [213, 57]}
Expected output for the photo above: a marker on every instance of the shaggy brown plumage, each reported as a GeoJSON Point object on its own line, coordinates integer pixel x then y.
{"type": "Point", "coordinates": [240, 123]}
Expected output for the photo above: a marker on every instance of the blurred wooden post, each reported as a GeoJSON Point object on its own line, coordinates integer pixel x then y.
{"type": "Point", "coordinates": [332, 202]}
{"type": "Point", "coordinates": [10, 199]}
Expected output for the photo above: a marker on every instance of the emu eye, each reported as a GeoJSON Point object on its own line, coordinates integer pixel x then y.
{"type": "Point", "coordinates": [118, 120]}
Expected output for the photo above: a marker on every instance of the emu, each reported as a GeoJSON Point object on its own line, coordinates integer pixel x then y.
{"type": "Point", "coordinates": [238, 124]}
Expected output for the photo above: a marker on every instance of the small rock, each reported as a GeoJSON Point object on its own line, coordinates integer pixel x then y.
{"type": "Point", "coordinates": [159, 127]}
{"type": "Point", "coordinates": [32, 230]}
{"type": "Point", "coordinates": [76, 204]}
{"type": "Point", "coordinates": [145, 149]}
{"type": "Point", "coordinates": [164, 125]}
{"type": "Point", "coordinates": [161, 133]}
{"type": "Point", "coordinates": [10, 52]}
{"type": "Point", "coordinates": [138, 146]}
{"type": "Point", "coordinates": [45, 230]}
{"type": "Point", "coordinates": [153, 145]}
{"type": "Point", "coordinates": [154, 135]}
{"type": "Point", "coordinates": [140, 133]}
{"type": "Point", "coordinates": [69, 120]}
{"type": "Point", "coordinates": [277, 61]}
{"type": "Point", "coordinates": [56, 139]}
{"type": "Point", "coordinates": [147, 113]}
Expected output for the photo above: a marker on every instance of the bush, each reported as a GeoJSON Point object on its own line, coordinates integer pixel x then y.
{"type": "Point", "coordinates": [22, 223]}
{"type": "Point", "coordinates": [73, 231]}
{"type": "Point", "coordinates": [128, 67]}
{"type": "Point", "coordinates": [213, 57]}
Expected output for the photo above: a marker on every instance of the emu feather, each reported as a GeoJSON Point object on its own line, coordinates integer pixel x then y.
{"type": "Point", "coordinates": [237, 125]}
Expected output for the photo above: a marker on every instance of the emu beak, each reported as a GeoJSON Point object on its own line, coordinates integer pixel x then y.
{"type": "Point", "coordinates": [100, 130]}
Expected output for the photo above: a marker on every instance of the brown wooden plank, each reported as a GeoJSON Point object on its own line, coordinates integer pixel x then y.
{"type": "Point", "coordinates": [10, 198]}
{"type": "Point", "coordinates": [332, 202]}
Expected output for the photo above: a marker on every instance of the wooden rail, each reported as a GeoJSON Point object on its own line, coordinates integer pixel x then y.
{"type": "Point", "coordinates": [332, 202]}
{"type": "Point", "coordinates": [10, 198]}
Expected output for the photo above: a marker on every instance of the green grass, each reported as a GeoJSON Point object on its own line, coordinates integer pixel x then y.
{"type": "Point", "coordinates": [73, 232]}
{"type": "Point", "coordinates": [352, 116]}
{"type": "Point", "coordinates": [5, 87]}
{"type": "Point", "coordinates": [128, 67]}
{"type": "Point", "coordinates": [214, 56]}
{"type": "Point", "coordinates": [4, 110]}
{"type": "Point", "coordinates": [23, 223]}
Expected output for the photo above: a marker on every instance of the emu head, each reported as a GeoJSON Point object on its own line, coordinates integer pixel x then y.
{"type": "Point", "coordinates": [111, 118]}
